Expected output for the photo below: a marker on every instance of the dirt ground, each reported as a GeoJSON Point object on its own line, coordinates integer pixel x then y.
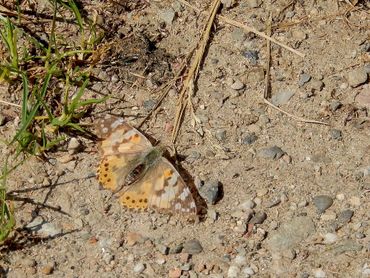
{"type": "Point", "coordinates": [291, 197]}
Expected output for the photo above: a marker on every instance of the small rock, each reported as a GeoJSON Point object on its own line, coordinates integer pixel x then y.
{"type": "Point", "coordinates": [345, 216]}
{"type": "Point", "coordinates": [282, 97]}
{"type": "Point", "coordinates": [211, 191]}
{"type": "Point", "coordinates": [316, 85]}
{"type": "Point", "coordinates": [228, 3]}
{"type": "Point", "coordinates": [322, 202]}
{"type": "Point", "coordinates": [2, 120]}
{"type": "Point", "coordinates": [133, 238]}
{"type": "Point", "coordinates": [174, 273]}
{"type": "Point", "coordinates": [176, 249]}
{"type": "Point", "coordinates": [299, 35]}
{"type": "Point", "coordinates": [335, 105]}
{"type": "Point", "coordinates": [249, 138]}
{"type": "Point", "coordinates": [220, 135]}
{"type": "Point", "coordinates": [212, 214]}
{"type": "Point", "coordinates": [273, 202]}
{"type": "Point", "coordinates": [43, 228]}
{"type": "Point", "coordinates": [186, 267]}
{"type": "Point", "coordinates": [289, 253]}
{"type": "Point", "coordinates": [360, 235]}
{"type": "Point", "coordinates": [258, 218]}
{"type": "Point", "coordinates": [192, 247]}
{"type": "Point", "coordinates": [330, 238]}
{"type": "Point", "coordinates": [302, 204]}
{"type": "Point", "coordinates": [252, 56]}
{"type": "Point", "coordinates": [363, 98]}
{"type": "Point", "coordinates": [357, 77]}
{"type": "Point", "coordinates": [249, 204]}
{"type": "Point", "coordinates": [237, 85]}
{"type": "Point", "coordinates": [139, 267]}
{"type": "Point", "coordinates": [340, 197]}
{"type": "Point", "coordinates": [73, 145]}
{"type": "Point", "coordinates": [163, 249]}
{"type": "Point", "coordinates": [108, 257]}
{"type": "Point", "coordinates": [319, 273]}
{"type": "Point", "coordinates": [336, 134]}
{"type": "Point", "coordinates": [233, 272]}
{"type": "Point", "coordinates": [168, 15]}
{"type": "Point", "coordinates": [271, 153]}
{"type": "Point", "coordinates": [149, 104]}
{"type": "Point", "coordinates": [47, 269]}
{"type": "Point", "coordinates": [248, 271]}
{"type": "Point", "coordinates": [303, 79]}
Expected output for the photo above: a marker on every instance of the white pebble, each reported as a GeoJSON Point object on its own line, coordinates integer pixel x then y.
{"type": "Point", "coordinates": [233, 271]}
{"type": "Point", "coordinates": [248, 271]}
{"type": "Point", "coordinates": [240, 260]}
{"type": "Point", "coordinates": [319, 273]}
{"type": "Point", "coordinates": [139, 267]}
{"type": "Point", "coordinates": [330, 238]}
{"type": "Point", "coordinates": [340, 197]}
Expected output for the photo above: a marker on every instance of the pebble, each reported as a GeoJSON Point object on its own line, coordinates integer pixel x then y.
{"type": "Point", "coordinates": [73, 145]}
{"type": "Point", "coordinates": [363, 98]}
{"type": "Point", "coordinates": [233, 271]}
{"type": "Point", "coordinates": [163, 249]}
{"type": "Point", "coordinates": [282, 97]}
{"type": "Point", "coordinates": [149, 104]}
{"type": "Point", "coordinates": [271, 153]}
{"type": "Point", "coordinates": [237, 85]}
{"type": "Point", "coordinates": [249, 204]}
{"type": "Point", "coordinates": [211, 191]}
{"type": "Point", "coordinates": [254, 3]}
{"type": "Point", "coordinates": [220, 135]}
{"type": "Point", "coordinates": [322, 202]}
{"type": "Point", "coordinates": [176, 249]}
{"type": "Point", "coordinates": [345, 216]}
{"type": "Point", "coordinates": [108, 257]}
{"type": "Point", "coordinates": [47, 269]}
{"type": "Point", "coordinates": [319, 273]}
{"type": "Point", "coordinates": [174, 273]}
{"type": "Point", "coordinates": [167, 15]}
{"type": "Point", "coordinates": [330, 238]}
{"type": "Point", "coordinates": [291, 233]}
{"type": "Point", "coordinates": [316, 85]}
{"type": "Point", "coordinates": [43, 228]}
{"type": "Point", "coordinates": [240, 260]}
{"type": "Point", "coordinates": [248, 271]}
{"type": "Point", "coordinates": [360, 235]}
{"type": "Point", "coordinates": [340, 197]}
{"type": "Point", "coordinates": [2, 120]}
{"type": "Point", "coordinates": [139, 267]}
{"type": "Point", "coordinates": [273, 202]}
{"type": "Point", "coordinates": [212, 214]}
{"type": "Point", "coordinates": [192, 247]}
{"type": "Point", "coordinates": [252, 56]}
{"type": "Point", "coordinates": [133, 238]}
{"type": "Point", "coordinates": [228, 3]}
{"type": "Point", "coordinates": [249, 138]}
{"type": "Point", "coordinates": [298, 34]}
{"type": "Point", "coordinates": [258, 218]}
{"type": "Point", "coordinates": [336, 134]}
{"type": "Point", "coordinates": [302, 204]}
{"type": "Point", "coordinates": [357, 77]}
{"type": "Point", "coordinates": [303, 79]}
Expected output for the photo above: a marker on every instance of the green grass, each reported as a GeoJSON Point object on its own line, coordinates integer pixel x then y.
{"type": "Point", "coordinates": [53, 88]}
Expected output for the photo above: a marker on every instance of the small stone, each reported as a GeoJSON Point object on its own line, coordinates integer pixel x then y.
{"type": "Point", "coordinates": [237, 85]}
{"type": "Point", "coordinates": [240, 260]}
{"type": "Point", "coordinates": [29, 262]}
{"type": "Point", "coordinates": [258, 218]}
{"type": "Point", "coordinates": [212, 214]}
{"type": "Point", "coordinates": [273, 202]}
{"type": "Point", "coordinates": [319, 273]}
{"type": "Point", "coordinates": [289, 14]}
{"type": "Point", "coordinates": [176, 249]}
{"type": "Point", "coordinates": [149, 104]}
{"type": "Point", "coordinates": [73, 145]}
{"type": "Point", "coordinates": [271, 153]}
{"type": "Point", "coordinates": [282, 97]}
{"type": "Point", "coordinates": [241, 227]}
{"type": "Point", "coordinates": [357, 77]}
{"type": "Point", "coordinates": [220, 135]}
{"type": "Point", "coordinates": [322, 202]}
{"type": "Point", "coordinates": [249, 138]}
{"type": "Point", "coordinates": [340, 197]}
{"type": "Point", "coordinates": [174, 273]}
{"type": "Point", "coordinates": [2, 120]}
{"type": "Point", "coordinates": [47, 269]}
{"type": "Point", "coordinates": [249, 204]}
{"type": "Point", "coordinates": [139, 267]}
{"type": "Point", "coordinates": [186, 267]}
{"type": "Point", "coordinates": [248, 271]}
{"type": "Point", "coordinates": [211, 191]}
{"type": "Point", "coordinates": [185, 257]}
{"type": "Point", "coordinates": [163, 249]}
{"type": "Point", "coordinates": [160, 261]}
{"type": "Point", "coordinates": [298, 34]}
{"type": "Point", "coordinates": [228, 3]}
{"type": "Point", "coordinates": [363, 98]}
{"type": "Point", "coordinates": [233, 271]}
{"type": "Point", "coordinates": [360, 235]}
{"type": "Point", "coordinates": [316, 85]}
{"type": "Point", "coordinates": [335, 105]}
{"type": "Point", "coordinates": [168, 15]}
{"type": "Point", "coordinates": [336, 134]}
{"type": "Point", "coordinates": [133, 238]}
{"type": "Point", "coordinates": [192, 247]}
{"type": "Point", "coordinates": [252, 56]}
{"type": "Point", "coordinates": [108, 257]}
{"type": "Point", "coordinates": [302, 204]}
{"type": "Point", "coordinates": [330, 238]}
{"type": "Point", "coordinates": [289, 253]}
{"type": "Point", "coordinates": [303, 79]}
{"type": "Point", "coordinates": [345, 216]}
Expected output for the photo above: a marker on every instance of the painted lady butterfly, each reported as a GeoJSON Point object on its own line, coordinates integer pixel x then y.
{"type": "Point", "coordinates": [138, 172]}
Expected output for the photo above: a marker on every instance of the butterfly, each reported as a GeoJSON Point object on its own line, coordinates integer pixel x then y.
{"type": "Point", "coordinates": [135, 170]}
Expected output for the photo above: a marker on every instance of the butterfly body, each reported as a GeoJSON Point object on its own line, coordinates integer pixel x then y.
{"type": "Point", "coordinates": [137, 171]}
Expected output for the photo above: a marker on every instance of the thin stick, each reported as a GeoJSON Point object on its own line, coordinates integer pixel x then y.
{"type": "Point", "coordinates": [300, 119]}
{"type": "Point", "coordinates": [246, 28]}
{"type": "Point", "coordinates": [267, 92]}
{"type": "Point", "coordinates": [9, 103]}
{"type": "Point", "coordinates": [194, 70]}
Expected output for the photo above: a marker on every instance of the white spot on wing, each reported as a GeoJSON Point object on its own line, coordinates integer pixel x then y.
{"type": "Point", "coordinates": [184, 194]}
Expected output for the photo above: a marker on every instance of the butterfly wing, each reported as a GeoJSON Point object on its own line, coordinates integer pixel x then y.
{"type": "Point", "coordinates": [122, 148]}
{"type": "Point", "coordinates": [162, 188]}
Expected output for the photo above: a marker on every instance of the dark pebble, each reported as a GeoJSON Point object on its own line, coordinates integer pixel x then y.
{"type": "Point", "coordinates": [322, 202]}
{"type": "Point", "coordinates": [272, 153]}
{"type": "Point", "coordinates": [149, 104]}
{"type": "Point", "coordinates": [336, 134]}
{"type": "Point", "coordinates": [211, 191]}
{"type": "Point", "coordinates": [249, 139]}
{"type": "Point", "coordinates": [258, 218]}
{"type": "Point", "coordinates": [192, 247]}
{"type": "Point", "coordinates": [303, 79]}
{"type": "Point", "coordinates": [345, 216]}
{"type": "Point", "coordinates": [252, 56]}
{"type": "Point", "coordinates": [335, 105]}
